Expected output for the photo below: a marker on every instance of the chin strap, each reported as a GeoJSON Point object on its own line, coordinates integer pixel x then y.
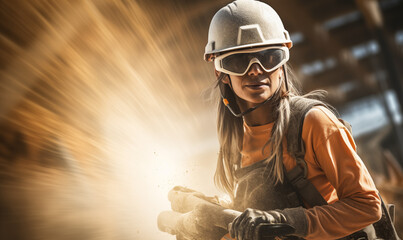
{"type": "Point", "coordinates": [241, 114]}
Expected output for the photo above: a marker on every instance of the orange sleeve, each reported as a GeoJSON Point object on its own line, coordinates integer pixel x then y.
{"type": "Point", "coordinates": [339, 174]}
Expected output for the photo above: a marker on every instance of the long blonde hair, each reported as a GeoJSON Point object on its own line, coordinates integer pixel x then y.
{"type": "Point", "coordinates": [230, 134]}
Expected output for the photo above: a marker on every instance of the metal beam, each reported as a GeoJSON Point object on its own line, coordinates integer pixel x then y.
{"type": "Point", "coordinates": [321, 40]}
{"type": "Point", "coordinates": [374, 20]}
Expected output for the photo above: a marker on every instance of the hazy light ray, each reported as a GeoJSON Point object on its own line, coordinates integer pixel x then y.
{"type": "Point", "coordinates": [21, 74]}
{"type": "Point", "coordinates": [129, 123]}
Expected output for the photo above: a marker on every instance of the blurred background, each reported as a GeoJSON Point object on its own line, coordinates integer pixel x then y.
{"type": "Point", "coordinates": [104, 105]}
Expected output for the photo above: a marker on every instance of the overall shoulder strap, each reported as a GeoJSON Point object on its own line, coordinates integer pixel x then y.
{"type": "Point", "coordinates": [295, 146]}
{"type": "Point", "coordinates": [300, 107]}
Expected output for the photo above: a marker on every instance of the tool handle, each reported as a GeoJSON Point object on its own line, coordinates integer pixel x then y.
{"type": "Point", "coordinates": [268, 231]}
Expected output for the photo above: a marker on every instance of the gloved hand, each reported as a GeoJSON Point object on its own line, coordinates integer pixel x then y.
{"type": "Point", "coordinates": [243, 227]}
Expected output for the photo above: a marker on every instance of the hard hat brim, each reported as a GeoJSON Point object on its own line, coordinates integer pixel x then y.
{"type": "Point", "coordinates": [208, 55]}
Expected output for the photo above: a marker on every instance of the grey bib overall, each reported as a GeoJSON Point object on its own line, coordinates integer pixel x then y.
{"type": "Point", "coordinates": [256, 189]}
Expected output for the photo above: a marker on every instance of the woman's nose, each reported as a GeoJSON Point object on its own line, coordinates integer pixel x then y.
{"type": "Point", "coordinates": [255, 69]}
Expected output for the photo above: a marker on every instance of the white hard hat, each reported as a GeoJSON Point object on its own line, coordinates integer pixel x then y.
{"type": "Point", "coordinates": [243, 24]}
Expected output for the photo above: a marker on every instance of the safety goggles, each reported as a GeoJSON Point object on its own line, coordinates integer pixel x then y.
{"type": "Point", "coordinates": [238, 62]}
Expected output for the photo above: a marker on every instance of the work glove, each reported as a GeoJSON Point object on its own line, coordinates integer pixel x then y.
{"type": "Point", "coordinates": [243, 227]}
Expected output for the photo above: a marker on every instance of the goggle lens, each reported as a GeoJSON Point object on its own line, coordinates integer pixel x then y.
{"type": "Point", "coordinates": [239, 63]}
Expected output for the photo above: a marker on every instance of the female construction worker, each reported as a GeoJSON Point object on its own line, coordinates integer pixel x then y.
{"type": "Point", "coordinates": [283, 158]}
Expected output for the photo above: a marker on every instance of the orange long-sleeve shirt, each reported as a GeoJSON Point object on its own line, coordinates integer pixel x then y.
{"type": "Point", "coordinates": [334, 168]}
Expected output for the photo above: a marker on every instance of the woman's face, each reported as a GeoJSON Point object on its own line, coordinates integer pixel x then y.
{"type": "Point", "coordinates": [256, 85]}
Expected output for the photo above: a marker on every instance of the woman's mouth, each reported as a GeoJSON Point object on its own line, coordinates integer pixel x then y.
{"type": "Point", "coordinates": [256, 85]}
